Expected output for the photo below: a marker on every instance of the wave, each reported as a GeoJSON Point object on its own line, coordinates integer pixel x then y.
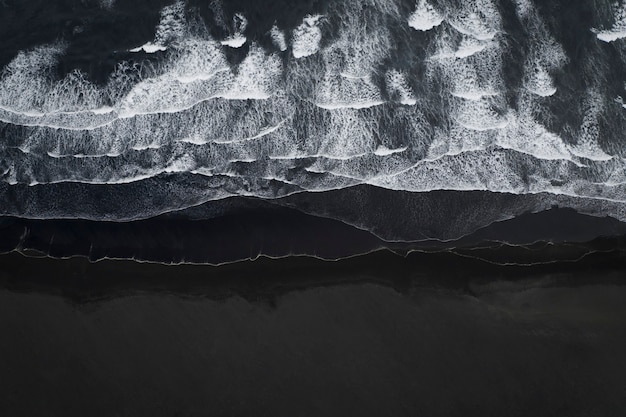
{"type": "Point", "coordinates": [618, 30]}
{"type": "Point", "coordinates": [149, 48]}
{"type": "Point", "coordinates": [237, 39]}
{"type": "Point", "coordinates": [463, 97]}
{"type": "Point", "coordinates": [306, 38]}
{"type": "Point", "coordinates": [278, 38]}
{"type": "Point", "coordinates": [425, 17]}
{"type": "Point", "coordinates": [398, 88]}
{"type": "Point", "coordinates": [479, 19]}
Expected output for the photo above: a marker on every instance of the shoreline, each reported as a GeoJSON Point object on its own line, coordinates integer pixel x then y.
{"type": "Point", "coordinates": [82, 280]}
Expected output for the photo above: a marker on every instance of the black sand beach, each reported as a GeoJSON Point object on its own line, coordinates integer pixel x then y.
{"type": "Point", "coordinates": [305, 337]}
{"type": "Point", "coordinates": [312, 208]}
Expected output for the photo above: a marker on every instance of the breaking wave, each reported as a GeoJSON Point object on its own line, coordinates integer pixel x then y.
{"type": "Point", "coordinates": [367, 92]}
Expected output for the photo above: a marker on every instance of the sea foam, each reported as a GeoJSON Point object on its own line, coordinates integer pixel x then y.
{"type": "Point", "coordinates": [443, 116]}
{"type": "Point", "coordinates": [306, 38]}
{"type": "Point", "coordinates": [425, 17]}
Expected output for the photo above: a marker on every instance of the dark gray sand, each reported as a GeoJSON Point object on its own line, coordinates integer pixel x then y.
{"type": "Point", "coordinates": [527, 348]}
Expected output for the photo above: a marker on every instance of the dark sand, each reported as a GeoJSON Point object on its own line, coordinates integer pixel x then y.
{"type": "Point", "coordinates": [542, 344]}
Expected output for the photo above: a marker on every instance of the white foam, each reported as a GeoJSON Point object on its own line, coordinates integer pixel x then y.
{"type": "Point", "coordinates": [103, 110]}
{"type": "Point", "coordinates": [237, 39]}
{"type": "Point", "coordinates": [587, 144]}
{"type": "Point", "coordinates": [234, 41]}
{"type": "Point", "coordinates": [525, 135]}
{"type": "Point", "coordinates": [425, 17]}
{"type": "Point", "coordinates": [25, 80]}
{"type": "Point", "coordinates": [399, 89]}
{"type": "Point", "coordinates": [470, 46]}
{"type": "Point", "coordinates": [54, 154]}
{"type": "Point", "coordinates": [590, 150]}
{"type": "Point", "coordinates": [198, 113]}
{"type": "Point", "coordinates": [471, 82]}
{"type": "Point", "coordinates": [618, 30]}
{"type": "Point", "coordinates": [196, 75]}
{"type": "Point", "coordinates": [257, 76]}
{"type": "Point", "coordinates": [84, 120]}
{"type": "Point", "coordinates": [173, 24]}
{"type": "Point", "coordinates": [351, 60]}
{"type": "Point", "coordinates": [279, 39]}
{"type": "Point", "coordinates": [200, 73]}
{"type": "Point", "coordinates": [263, 132]}
{"type": "Point", "coordinates": [306, 38]}
{"type": "Point", "coordinates": [143, 147]}
{"type": "Point", "coordinates": [29, 95]}
{"type": "Point", "coordinates": [540, 82]}
{"type": "Point", "coordinates": [472, 25]}
{"type": "Point", "coordinates": [290, 157]}
{"type": "Point", "coordinates": [354, 76]}
{"type": "Point", "coordinates": [611, 35]}
{"type": "Point", "coordinates": [170, 28]}
{"type": "Point", "coordinates": [546, 56]}
{"type": "Point", "coordinates": [34, 113]}
{"type": "Point", "coordinates": [353, 57]}
{"type": "Point", "coordinates": [479, 170]}
{"type": "Point", "coordinates": [479, 19]}
{"type": "Point", "coordinates": [195, 140]}
{"type": "Point", "coordinates": [479, 115]}
{"type": "Point", "coordinates": [335, 157]}
{"type": "Point", "coordinates": [349, 105]}
{"type": "Point", "coordinates": [384, 151]}
{"type": "Point", "coordinates": [197, 59]}
{"type": "Point", "coordinates": [466, 49]}
{"type": "Point", "coordinates": [197, 72]}
{"type": "Point", "coordinates": [149, 48]}
{"type": "Point", "coordinates": [266, 131]}
{"type": "Point", "coordinates": [352, 93]}
{"type": "Point", "coordinates": [618, 176]}
{"type": "Point", "coordinates": [183, 163]}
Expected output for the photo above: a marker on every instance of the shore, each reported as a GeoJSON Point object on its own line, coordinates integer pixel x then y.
{"type": "Point", "coordinates": [379, 335]}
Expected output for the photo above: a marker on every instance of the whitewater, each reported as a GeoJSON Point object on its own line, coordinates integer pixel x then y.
{"type": "Point", "coordinates": [431, 95]}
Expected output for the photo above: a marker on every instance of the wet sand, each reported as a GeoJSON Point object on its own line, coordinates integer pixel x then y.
{"type": "Point", "coordinates": [544, 343]}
